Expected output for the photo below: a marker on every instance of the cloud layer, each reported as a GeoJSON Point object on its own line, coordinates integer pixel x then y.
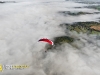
{"type": "Point", "coordinates": [22, 24]}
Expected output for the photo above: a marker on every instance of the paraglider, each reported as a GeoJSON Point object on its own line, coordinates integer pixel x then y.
{"type": "Point", "coordinates": [46, 40]}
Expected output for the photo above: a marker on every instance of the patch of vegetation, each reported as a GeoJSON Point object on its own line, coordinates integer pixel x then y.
{"type": "Point", "coordinates": [77, 7]}
{"type": "Point", "coordinates": [97, 7]}
{"type": "Point", "coordinates": [7, 2]}
{"type": "Point", "coordinates": [73, 13]}
{"type": "Point", "coordinates": [63, 39]}
{"type": "Point", "coordinates": [88, 2]}
{"type": "Point", "coordinates": [85, 27]}
{"type": "Point", "coordinates": [59, 41]}
{"type": "Point", "coordinates": [2, 2]}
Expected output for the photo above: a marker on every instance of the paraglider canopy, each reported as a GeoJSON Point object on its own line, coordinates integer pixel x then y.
{"type": "Point", "coordinates": [46, 40]}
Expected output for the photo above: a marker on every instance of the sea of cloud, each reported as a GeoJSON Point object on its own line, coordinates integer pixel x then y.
{"type": "Point", "coordinates": [23, 23]}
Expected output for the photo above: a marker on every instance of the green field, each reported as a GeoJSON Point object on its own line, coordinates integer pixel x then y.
{"type": "Point", "coordinates": [83, 27]}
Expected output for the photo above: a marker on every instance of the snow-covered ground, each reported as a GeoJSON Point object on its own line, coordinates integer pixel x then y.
{"type": "Point", "coordinates": [23, 23]}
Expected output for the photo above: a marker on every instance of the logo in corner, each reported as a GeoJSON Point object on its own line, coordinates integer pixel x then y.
{"type": "Point", "coordinates": [1, 68]}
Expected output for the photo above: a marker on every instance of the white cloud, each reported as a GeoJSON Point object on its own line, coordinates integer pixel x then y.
{"type": "Point", "coordinates": [23, 24]}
